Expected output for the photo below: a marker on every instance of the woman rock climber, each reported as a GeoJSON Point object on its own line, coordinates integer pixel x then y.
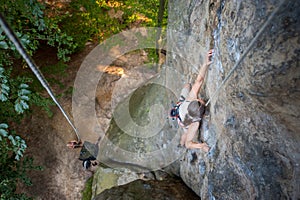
{"type": "Point", "coordinates": [190, 109]}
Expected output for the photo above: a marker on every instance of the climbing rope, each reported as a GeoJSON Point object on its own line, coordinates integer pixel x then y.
{"type": "Point", "coordinates": [11, 35]}
{"type": "Point", "coordinates": [249, 47]}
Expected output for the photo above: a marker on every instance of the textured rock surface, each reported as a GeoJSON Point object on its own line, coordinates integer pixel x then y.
{"type": "Point", "coordinates": [150, 190]}
{"type": "Point", "coordinates": [253, 123]}
{"type": "Point", "coordinates": [106, 178]}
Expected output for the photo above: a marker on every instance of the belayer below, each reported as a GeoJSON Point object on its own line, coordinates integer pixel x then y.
{"type": "Point", "coordinates": [74, 144]}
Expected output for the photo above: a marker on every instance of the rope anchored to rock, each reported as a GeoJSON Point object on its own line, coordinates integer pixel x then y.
{"type": "Point", "coordinates": [249, 47]}
{"type": "Point", "coordinates": [20, 48]}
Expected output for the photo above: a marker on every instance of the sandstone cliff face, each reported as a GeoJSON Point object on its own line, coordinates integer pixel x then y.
{"type": "Point", "coordinates": [252, 124]}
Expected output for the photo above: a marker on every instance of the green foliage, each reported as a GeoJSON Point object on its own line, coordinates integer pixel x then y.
{"type": "Point", "coordinates": [101, 19]}
{"type": "Point", "coordinates": [67, 30]}
{"type": "Point", "coordinates": [3, 132]}
{"type": "Point", "coordinates": [44, 103]}
{"type": "Point", "coordinates": [14, 93]}
{"type": "Point", "coordinates": [149, 9]}
{"type": "Point", "coordinates": [70, 28]}
{"type": "Point", "coordinates": [15, 99]}
{"type": "Point", "coordinates": [64, 44]}
{"type": "Point", "coordinates": [88, 190]}
{"type": "Point", "coordinates": [21, 103]}
{"type": "Point", "coordinates": [4, 90]}
{"type": "Point", "coordinates": [58, 69]}
{"type": "Point", "coordinates": [13, 169]}
{"type": "Point", "coordinates": [17, 146]}
{"type": "Point", "coordinates": [28, 20]}
{"type": "Point", "coordinates": [55, 73]}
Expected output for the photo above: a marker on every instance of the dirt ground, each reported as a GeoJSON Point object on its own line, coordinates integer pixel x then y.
{"type": "Point", "coordinates": [63, 176]}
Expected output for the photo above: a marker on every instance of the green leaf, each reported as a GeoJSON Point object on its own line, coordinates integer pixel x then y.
{"type": "Point", "coordinates": [24, 104]}
{"type": "Point", "coordinates": [23, 85]}
{"type": "Point", "coordinates": [18, 108]}
{"type": "Point", "coordinates": [23, 92]}
{"type": "Point", "coordinates": [12, 139]}
{"type": "Point", "coordinates": [3, 45]}
{"type": "Point", "coordinates": [3, 97]}
{"type": "Point", "coordinates": [3, 125]}
{"type": "Point", "coordinates": [17, 157]}
{"type": "Point", "coordinates": [4, 86]}
{"type": "Point", "coordinates": [3, 132]}
{"type": "Point", "coordinates": [25, 39]}
{"type": "Point", "coordinates": [4, 89]}
{"type": "Point", "coordinates": [26, 98]}
{"type": "Point", "coordinates": [2, 37]}
{"type": "Point", "coordinates": [23, 145]}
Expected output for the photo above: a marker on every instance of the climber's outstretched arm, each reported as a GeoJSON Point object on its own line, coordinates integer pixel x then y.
{"type": "Point", "coordinates": [201, 76]}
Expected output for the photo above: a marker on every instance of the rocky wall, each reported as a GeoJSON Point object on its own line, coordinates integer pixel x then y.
{"type": "Point", "coordinates": [252, 123]}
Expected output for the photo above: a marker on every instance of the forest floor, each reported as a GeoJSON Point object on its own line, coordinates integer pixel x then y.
{"type": "Point", "coordinates": [63, 176]}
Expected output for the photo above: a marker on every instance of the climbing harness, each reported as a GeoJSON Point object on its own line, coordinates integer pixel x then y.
{"type": "Point", "coordinates": [249, 47]}
{"type": "Point", "coordinates": [174, 113]}
{"type": "Point", "coordinates": [13, 38]}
